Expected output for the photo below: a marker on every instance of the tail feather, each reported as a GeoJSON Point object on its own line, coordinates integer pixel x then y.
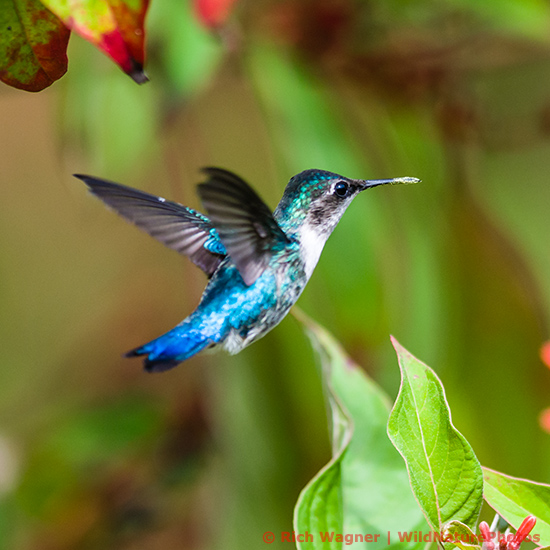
{"type": "Point", "coordinates": [134, 353]}
{"type": "Point", "coordinates": [159, 366]}
{"type": "Point", "coordinates": [170, 349]}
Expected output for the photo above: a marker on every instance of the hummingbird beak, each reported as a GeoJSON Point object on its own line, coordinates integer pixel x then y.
{"type": "Point", "coordinates": [367, 184]}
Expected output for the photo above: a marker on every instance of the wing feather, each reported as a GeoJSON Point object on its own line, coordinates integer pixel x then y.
{"type": "Point", "coordinates": [176, 226]}
{"type": "Point", "coordinates": [245, 224]}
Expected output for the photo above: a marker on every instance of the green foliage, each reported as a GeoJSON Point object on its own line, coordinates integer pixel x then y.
{"type": "Point", "coordinates": [514, 499]}
{"type": "Point", "coordinates": [454, 93]}
{"type": "Point", "coordinates": [445, 474]}
{"type": "Point", "coordinates": [365, 488]}
{"type": "Point", "coordinates": [461, 535]}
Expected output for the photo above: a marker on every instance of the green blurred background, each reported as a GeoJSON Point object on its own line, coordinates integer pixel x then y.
{"type": "Point", "coordinates": [94, 453]}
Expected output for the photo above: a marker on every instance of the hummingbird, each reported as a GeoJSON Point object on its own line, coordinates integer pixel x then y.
{"type": "Point", "coordinates": [257, 262]}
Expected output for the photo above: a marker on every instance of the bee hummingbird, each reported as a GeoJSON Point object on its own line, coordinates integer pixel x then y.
{"type": "Point", "coordinates": [257, 262]}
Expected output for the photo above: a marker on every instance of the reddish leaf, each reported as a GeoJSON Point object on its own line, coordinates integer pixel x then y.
{"type": "Point", "coordinates": [113, 26]}
{"type": "Point", "coordinates": [213, 13]}
{"type": "Point", "coordinates": [130, 17]}
{"type": "Point", "coordinates": [33, 45]}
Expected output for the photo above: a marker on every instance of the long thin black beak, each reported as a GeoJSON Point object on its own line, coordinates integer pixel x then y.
{"type": "Point", "coordinates": [367, 184]}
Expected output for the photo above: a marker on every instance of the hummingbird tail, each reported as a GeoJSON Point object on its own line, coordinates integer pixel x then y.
{"type": "Point", "coordinates": [153, 365]}
{"type": "Point", "coordinates": [170, 349]}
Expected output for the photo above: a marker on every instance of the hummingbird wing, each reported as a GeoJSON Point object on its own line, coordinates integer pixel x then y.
{"type": "Point", "coordinates": [245, 224]}
{"type": "Point", "coordinates": [178, 227]}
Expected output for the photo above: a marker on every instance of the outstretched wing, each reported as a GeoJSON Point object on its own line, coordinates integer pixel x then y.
{"type": "Point", "coordinates": [245, 224]}
{"type": "Point", "coordinates": [178, 227]}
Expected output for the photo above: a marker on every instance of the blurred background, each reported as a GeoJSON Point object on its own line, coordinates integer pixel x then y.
{"type": "Point", "coordinates": [95, 453]}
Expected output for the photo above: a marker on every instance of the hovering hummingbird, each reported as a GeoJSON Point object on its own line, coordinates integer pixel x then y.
{"type": "Point", "coordinates": [257, 262]}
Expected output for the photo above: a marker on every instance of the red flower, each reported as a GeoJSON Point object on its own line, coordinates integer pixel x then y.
{"type": "Point", "coordinates": [524, 529]}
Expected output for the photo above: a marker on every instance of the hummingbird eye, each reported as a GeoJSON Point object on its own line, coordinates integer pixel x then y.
{"type": "Point", "coordinates": [341, 189]}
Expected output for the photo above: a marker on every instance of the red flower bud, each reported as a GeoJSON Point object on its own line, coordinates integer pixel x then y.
{"type": "Point", "coordinates": [524, 529]}
{"type": "Point", "coordinates": [486, 532]}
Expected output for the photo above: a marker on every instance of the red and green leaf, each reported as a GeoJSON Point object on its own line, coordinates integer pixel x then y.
{"type": "Point", "coordinates": [33, 45]}
{"type": "Point", "coordinates": [113, 26]}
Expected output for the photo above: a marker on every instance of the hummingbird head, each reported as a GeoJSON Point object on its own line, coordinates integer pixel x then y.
{"type": "Point", "coordinates": [313, 203]}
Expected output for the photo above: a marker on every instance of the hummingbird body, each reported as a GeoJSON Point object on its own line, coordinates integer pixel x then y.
{"type": "Point", "coordinates": [230, 315]}
{"type": "Point", "coordinates": [258, 262]}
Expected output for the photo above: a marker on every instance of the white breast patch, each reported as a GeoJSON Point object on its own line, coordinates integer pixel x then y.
{"type": "Point", "coordinates": [311, 244]}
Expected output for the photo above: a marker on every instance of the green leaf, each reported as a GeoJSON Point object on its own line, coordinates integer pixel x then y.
{"type": "Point", "coordinates": [33, 45]}
{"type": "Point", "coordinates": [113, 26]}
{"type": "Point", "coordinates": [319, 508]}
{"type": "Point", "coordinates": [445, 474]}
{"type": "Point", "coordinates": [461, 536]}
{"type": "Point", "coordinates": [514, 499]}
{"type": "Point", "coordinates": [364, 489]}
